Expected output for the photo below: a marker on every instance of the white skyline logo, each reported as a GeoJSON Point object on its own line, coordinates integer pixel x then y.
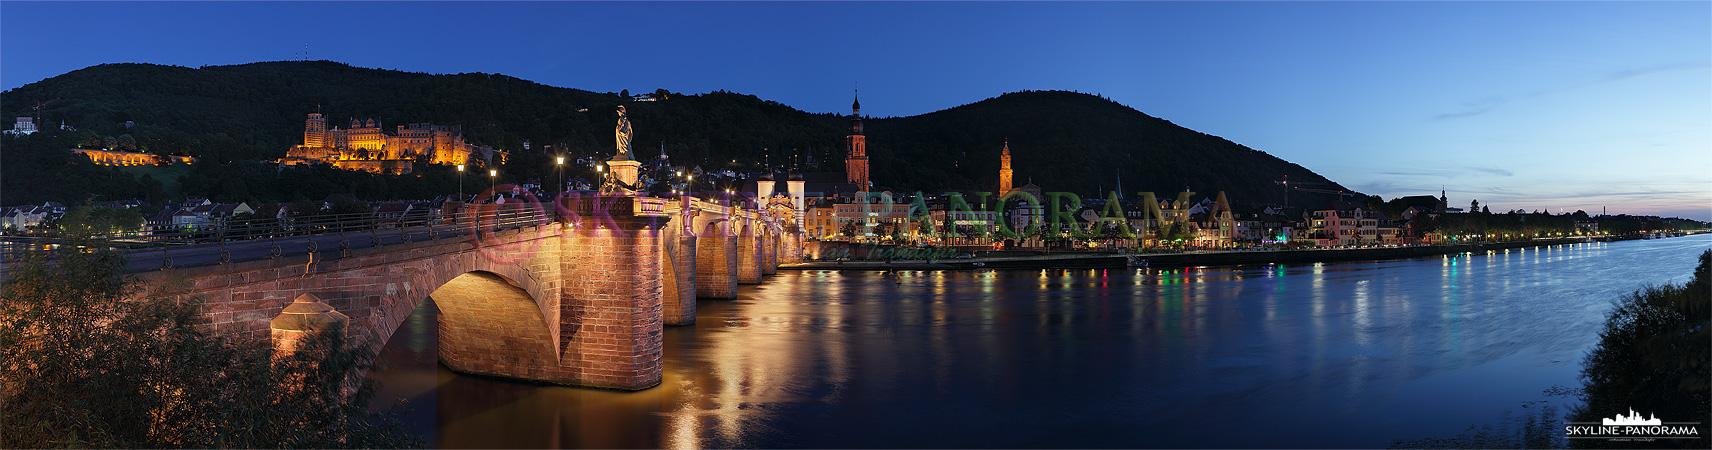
{"type": "Point", "coordinates": [1634, 418]}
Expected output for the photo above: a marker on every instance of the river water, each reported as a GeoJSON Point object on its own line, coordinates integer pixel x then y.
{"type": "Point", "coordinates": [1333, 355]}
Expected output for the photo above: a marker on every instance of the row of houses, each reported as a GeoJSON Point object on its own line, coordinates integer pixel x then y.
{"type": "Point", "coordinates": [200, 214]}
{"type": "Point", "coordinates": [19, 218]}
{"type": "Point", "coordinates": [1210, 222]}
{"type": "Point", "coordinates": [196, 214]}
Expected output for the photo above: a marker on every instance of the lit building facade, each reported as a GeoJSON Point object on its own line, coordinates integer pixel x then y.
{"type": "Point", "coordinates": [119, 158]}
{"type": "Point", "coordinates": [364, 146]}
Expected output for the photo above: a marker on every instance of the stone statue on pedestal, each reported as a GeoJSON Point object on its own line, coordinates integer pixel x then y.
{"type": "Point", "coordinates": [622, 168]}
{"type": "Point", "coordinates": [623, 135]}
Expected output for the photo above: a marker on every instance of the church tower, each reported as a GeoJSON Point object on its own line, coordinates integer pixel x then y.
{"type": "Point", "coordinates": [856, 164]}
{"type": "Point", "coordinates": [1005, 170]}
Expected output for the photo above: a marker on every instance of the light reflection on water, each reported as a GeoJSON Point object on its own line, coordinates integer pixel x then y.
{"type": "Point", "coordinates": [1311, 355]}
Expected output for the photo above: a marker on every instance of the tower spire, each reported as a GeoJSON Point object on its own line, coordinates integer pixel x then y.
{"type": "Point", "coordinates": [856, 161]}
{"type": "Point", "coordinates": [1120, 185]}
{"type": "Point", "coordinates": [1005, 169]}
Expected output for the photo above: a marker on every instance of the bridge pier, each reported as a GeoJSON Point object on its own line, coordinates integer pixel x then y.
{"type": "Point", "coordinates": [748, 256]}
{"type": "Point", "coordinates": [716, 262]}
{"type": "Point", "coordinates": [678, 294]}
{"type": "Point", "coordinates": [610, 314]}
{"type": "Point", "coordinates": [790, 247]}
{"type": "Point", "coordinates": [769, 252]}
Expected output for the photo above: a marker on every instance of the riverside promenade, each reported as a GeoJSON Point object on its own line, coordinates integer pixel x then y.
{"type": "Point", "coordinates": [1095, 260]}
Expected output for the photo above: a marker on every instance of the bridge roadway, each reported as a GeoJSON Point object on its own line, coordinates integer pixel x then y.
{"type": "Point", "coordinates": [580, 300]}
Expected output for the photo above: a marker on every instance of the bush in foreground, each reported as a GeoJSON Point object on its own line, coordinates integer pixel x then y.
{"type": "Point", "coordinates": [80, 366]}
{"type": "Point", "coordinates": [1652, 356]}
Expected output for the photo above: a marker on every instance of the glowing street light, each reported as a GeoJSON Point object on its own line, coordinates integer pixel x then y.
{"type": "Point", "coordinates": [460, 183]}
{"type": "Point", "coordinates": [560, 167]}
{"type": "Point", "coordinates": [492, 176]}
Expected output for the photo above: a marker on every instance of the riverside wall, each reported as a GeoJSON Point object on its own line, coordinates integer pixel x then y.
{"type": "Point", "coordinates": [1079, 260]}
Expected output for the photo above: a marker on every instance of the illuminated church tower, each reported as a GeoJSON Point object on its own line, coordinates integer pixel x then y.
{"type": "Point", "coordinates": [856, 165]}
{"type": "Point", "coordinates": [1005, 169]}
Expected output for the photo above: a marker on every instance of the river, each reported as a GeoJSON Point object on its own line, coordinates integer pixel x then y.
{"type": "Point", "coordinates": [1332, 355]}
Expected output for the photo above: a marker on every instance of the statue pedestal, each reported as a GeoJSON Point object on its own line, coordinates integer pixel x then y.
{"type": "Point", "coordinates": [625, 171]}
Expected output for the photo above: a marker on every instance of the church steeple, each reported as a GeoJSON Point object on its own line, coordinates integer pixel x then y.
{"type": "Point", "coordinates": [1005, 169]}
{"type": "Point", "coordinates": [856, 163]}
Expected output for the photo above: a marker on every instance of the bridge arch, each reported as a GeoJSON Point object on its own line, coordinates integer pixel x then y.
{"type": "Point", "coordinates": [576, 307]}
{"type": "Point", "coordinates": [489, 325]}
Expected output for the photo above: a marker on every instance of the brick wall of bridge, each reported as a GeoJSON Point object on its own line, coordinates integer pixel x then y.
{"type": "Point", "coordinates": [678, 292]}
{"type": "Point", "coordinates": [550, 303]}
{"type": "Point", "coordinates": [790, 249]}
{"type": "Point", "coordinates": [611, 321]}
{"type": "Point", "coordinates": [716, 264]}
{"type": "Point", "coordinates": [769, 252]}
{"type": "Point", "coordinates": [748, 255]}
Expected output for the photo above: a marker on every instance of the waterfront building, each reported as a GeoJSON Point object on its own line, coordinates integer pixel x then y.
{"type": "Point", "coordinates": [818, 220]}
{"type": "Point", "coordinates": [869, 214]}
{"type": "Point", "coordinates": [23, 217]}
{"type": "Point", "coordinates": [1341, 223]}
{"type": "Point", "coordinates": [1215, 225]}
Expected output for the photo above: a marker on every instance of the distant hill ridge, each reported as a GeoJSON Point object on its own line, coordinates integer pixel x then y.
{"type": "Point", "coordinates": [1060, 140]}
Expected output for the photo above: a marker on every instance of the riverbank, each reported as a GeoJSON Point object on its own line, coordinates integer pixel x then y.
{"type": "Point", "coordinates": [1080, 260]}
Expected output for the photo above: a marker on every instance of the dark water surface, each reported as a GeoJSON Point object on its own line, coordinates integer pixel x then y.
{"type": "Point", "coordinates": [1312, 355]}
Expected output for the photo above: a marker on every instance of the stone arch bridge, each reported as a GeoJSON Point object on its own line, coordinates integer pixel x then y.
{"type": "Point", "coordinates": [580, 300]}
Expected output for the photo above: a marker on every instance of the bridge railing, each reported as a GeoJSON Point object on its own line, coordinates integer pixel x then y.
{"type": "Point", "coordinates": [202, 241]}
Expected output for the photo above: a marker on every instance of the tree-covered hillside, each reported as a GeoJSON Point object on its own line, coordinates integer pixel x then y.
{"type": "Point", "coordinates": [1075, 142]}
{"type": "Point", "coordinates": [232, 116]}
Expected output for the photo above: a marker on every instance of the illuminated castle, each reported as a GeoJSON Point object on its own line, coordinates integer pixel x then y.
{"type": "Point", "coordinates": [363, 146]}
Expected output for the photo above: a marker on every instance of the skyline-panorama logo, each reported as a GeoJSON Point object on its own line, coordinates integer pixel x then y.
{"type": "Point", "coordinates": [1634, 418]}
{"type": "Point", "coordinates": [1633, 427]}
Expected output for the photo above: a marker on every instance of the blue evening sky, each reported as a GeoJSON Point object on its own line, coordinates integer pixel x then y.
{"type": "Point", "coordinates": [1531, 105]}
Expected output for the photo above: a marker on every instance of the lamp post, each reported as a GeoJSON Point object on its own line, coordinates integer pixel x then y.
{"type": "Point", "coordinates": [492, 177]}
{"type": "Point", "coordinates": [460, 183]}
{"type": "Point", "coordinates": [560, 167]}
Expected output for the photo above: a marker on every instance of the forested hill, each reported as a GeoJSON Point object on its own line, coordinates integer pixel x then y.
{"type": "Point", "coordinates": [1075, 142]}
{"type": "Point", "coordinates": [233, 115]}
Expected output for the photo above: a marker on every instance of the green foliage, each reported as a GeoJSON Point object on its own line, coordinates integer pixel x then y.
{"type": "Point", "coordinates": [89, 220]}
{"type": "Point", "coordinates": [233, 115]}
{"type": "Point", "coordinates": [39, 168]}
{"type": "Point", "coordinates": [848, 229]}
{"type": "Point", "coordinates": [1652, 356]}
{"type": "Point", "coordinates": [1068, 141]}
{"type": "Point", "coordinates": [1529, 225]}
{"type": "Point", "coordinates": [83, 366]}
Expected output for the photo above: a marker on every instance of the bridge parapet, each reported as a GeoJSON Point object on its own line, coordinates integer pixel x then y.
{"type": "Point", "coordinates": [576, 302]}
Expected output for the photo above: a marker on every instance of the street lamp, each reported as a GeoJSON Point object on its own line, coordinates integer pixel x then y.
{"type": "Point", "coordinates": [561, 169]}
{"type": "Point", "coordinates": [492, 177]}
{"type": "Point", "coordinates": [460, 183]}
